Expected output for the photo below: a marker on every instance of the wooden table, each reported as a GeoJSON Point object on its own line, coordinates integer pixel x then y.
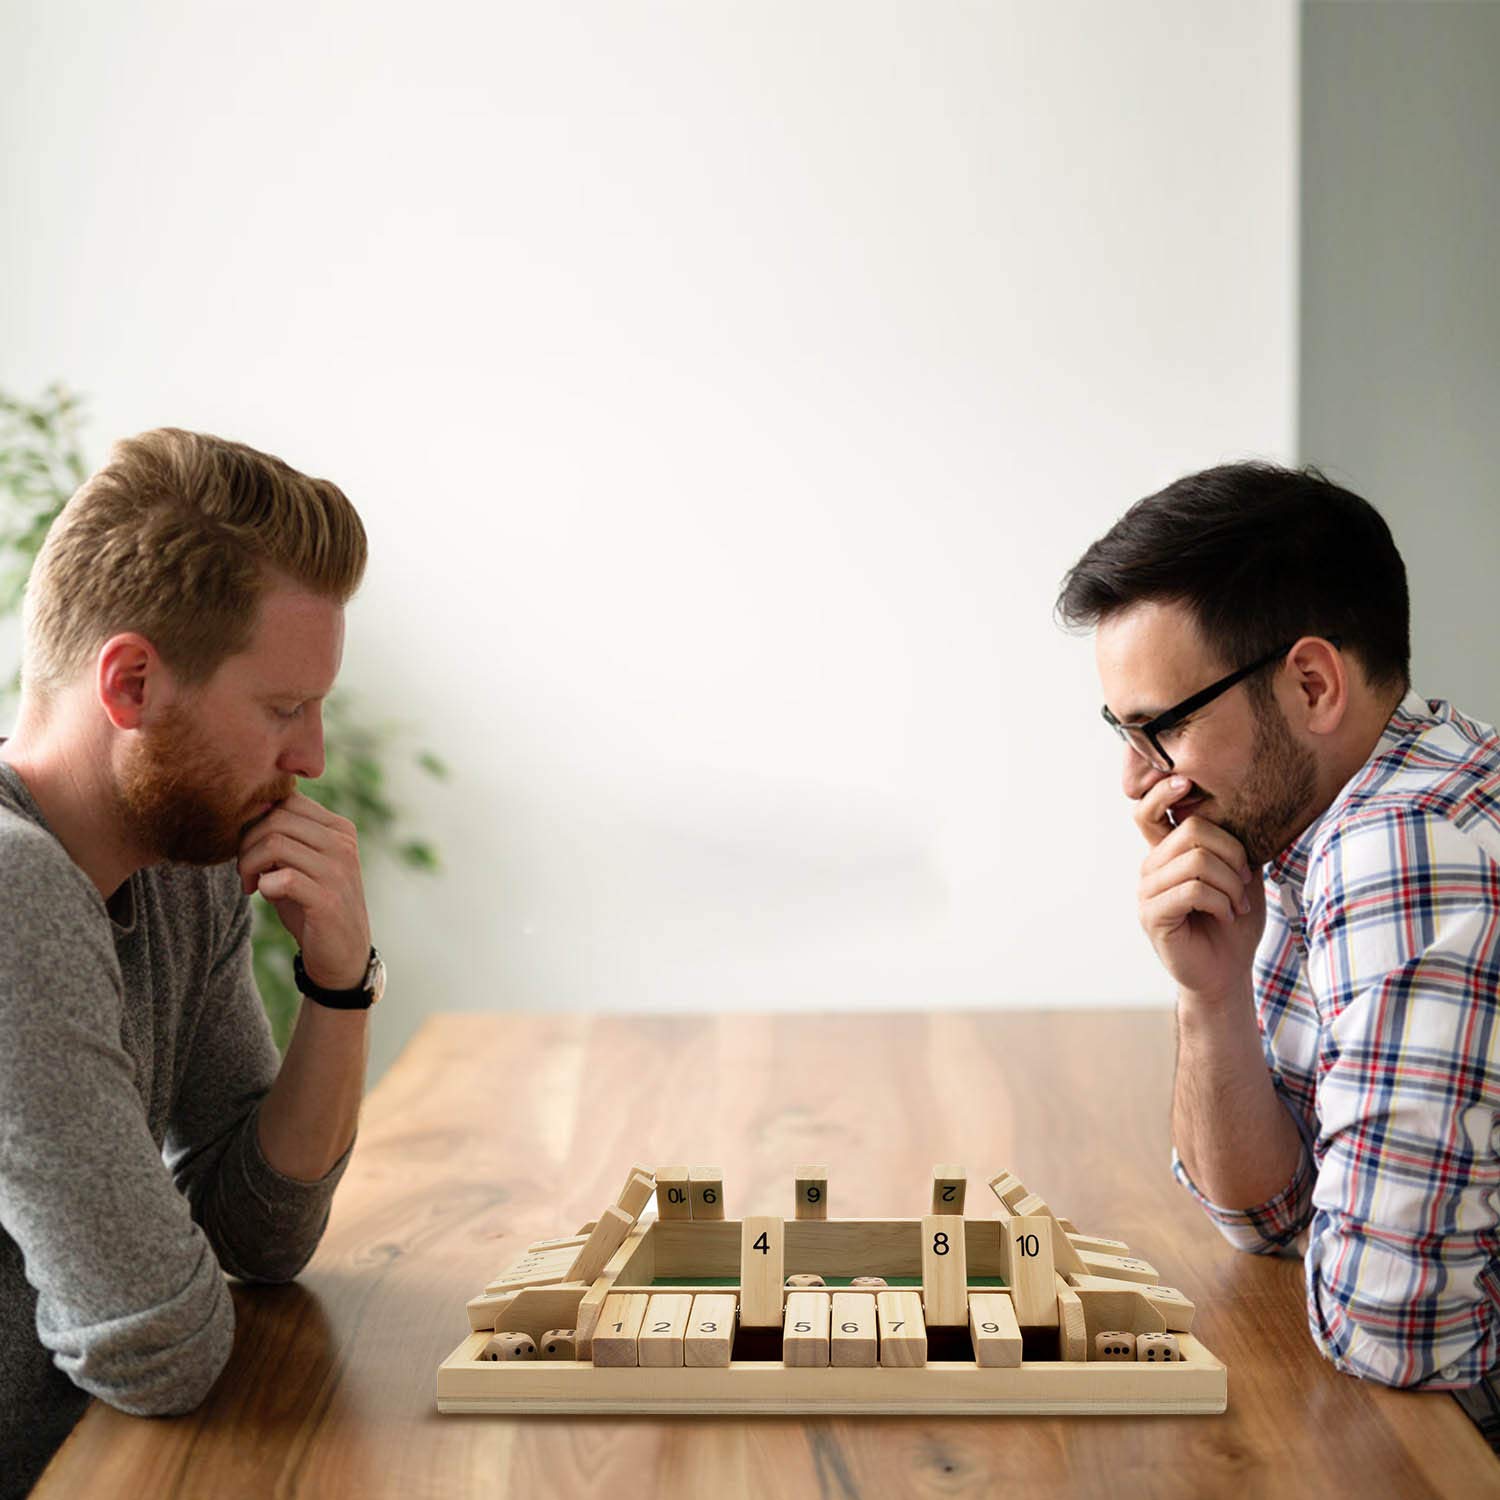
{"type": "Point", "coordinates": [495, 1130]}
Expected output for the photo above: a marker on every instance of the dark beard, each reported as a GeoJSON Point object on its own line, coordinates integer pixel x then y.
{"type": "Point", "coordinates": [176, 796]}
{"type": "Point", "coordinates": [1274, 804]}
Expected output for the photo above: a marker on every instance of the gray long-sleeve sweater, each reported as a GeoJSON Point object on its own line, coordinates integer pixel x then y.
{"type": "Point", "coordinates": [134, 1053]}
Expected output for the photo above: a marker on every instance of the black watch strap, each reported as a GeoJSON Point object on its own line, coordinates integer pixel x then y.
{"type": "Point", "coordinates": [361, 997]}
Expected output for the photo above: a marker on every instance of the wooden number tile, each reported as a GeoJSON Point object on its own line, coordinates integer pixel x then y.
{"type": "Point", "coordinates": [672, 1193]}
{"type": "Point", "coordinates": [1026, 1250]}
{"type": "Point", "coordinates": [1172, 1305]}
{"type": "Point", "coordinates": [636, 1194]}
{"type": "Point", "coordinates": [510, 1288]}
{"type": "Point", "coordinates": [1072, 1324]}
{"type": "Point", "coordinates": [618, 1329]}
{"type": "Point", "coordinates": [539, 1247]}
{"type": "Point", "coordinates": [762, 1271]}
{"type": "Point", "coordinates": [1096, 1242]}
{"type": "Point", "coordinates": [1175, 1309]}
{"type": "Point", "coordinates": [812, 1192]}
{"type": "Point", "coordinates": [659, 1344]}
{"type": "Point", "coordinates": [804, 1338]}
{"type": "Point", "coordinates": [706, 1188]}
{"type": "Point", "coordinates": [482, 1309]}
{"type": "Point", "coordinates": [537, 1267]}
{"type": "Point", "coordinates": [609, 1234]}
{"type": "Point", "coordinates": [1121, 1267]}
{"type": "Point", "coordinates": [1008, 1189]}
{"type": "Point", "coordinates": [710, 1331]}
{"type": "Point", "coordinates": [587, 1317]}
{"type": "Point", "coordinates": [903, 1334]}
{"type": "Point", "coordinates": [945, 1274]}
{"type": "Point", "coordinates": [1065, 1256]}
{"type": "Point", "coordinates": [853, 1342]}
{"type": "Point", "coordinates": [1108, 1284]}
{"type": "Point", "coordinates": [637, 1169]}
{"type": "Point", "coordinates": [994, 1330]}
{"type": "Point", "coordinates": [550, 1267]}
{"type": "Point", "coordinates": [949, 1185]}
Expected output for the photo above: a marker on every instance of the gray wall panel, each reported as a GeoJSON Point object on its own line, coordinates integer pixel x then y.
{"type": "Point", "coordinates": [1400, 317]}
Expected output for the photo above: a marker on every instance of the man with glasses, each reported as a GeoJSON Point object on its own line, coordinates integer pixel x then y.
{"type": "Point", "coordinates": [1323, 884]}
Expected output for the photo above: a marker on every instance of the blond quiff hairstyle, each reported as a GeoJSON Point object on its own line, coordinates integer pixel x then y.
{"type": "Point", "coordinates": [177, 537]}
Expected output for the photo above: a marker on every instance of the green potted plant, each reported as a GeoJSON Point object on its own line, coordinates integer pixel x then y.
{"type": "Point", "coordinates": [41, 464]}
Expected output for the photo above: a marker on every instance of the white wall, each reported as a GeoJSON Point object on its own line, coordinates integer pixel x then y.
{"type": "Point", "coordinates": [725, 390]}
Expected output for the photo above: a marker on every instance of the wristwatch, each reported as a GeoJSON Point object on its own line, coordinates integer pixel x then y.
{"type": "Point", "coordinates": [361, 997]}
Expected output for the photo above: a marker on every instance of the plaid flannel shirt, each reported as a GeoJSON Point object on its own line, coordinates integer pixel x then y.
{"type": "Point", "coordinates": [1377, 990]}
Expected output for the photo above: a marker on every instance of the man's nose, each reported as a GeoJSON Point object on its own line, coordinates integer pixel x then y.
{"type": "Point", "coordinates": [1138, 775]}
{"type": "Point", "coordinates": [304, 757]}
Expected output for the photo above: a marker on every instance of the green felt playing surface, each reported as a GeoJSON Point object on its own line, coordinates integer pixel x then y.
{"type": "Point", "coordinates": [833, 1283]}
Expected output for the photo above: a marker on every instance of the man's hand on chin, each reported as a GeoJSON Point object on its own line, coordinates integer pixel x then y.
{"type": "Point", "coordinates": [1200, 902]}
{"type": "Point", "coordinates": [305, 861]}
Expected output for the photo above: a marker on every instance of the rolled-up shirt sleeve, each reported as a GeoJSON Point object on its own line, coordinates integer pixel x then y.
{"type": "Point", "coordinates": [1404, 959]}
{"type": "Point", "coordinates": [1263, 1228]}
{"type": "Point", "coordinates": [1271, 1226]}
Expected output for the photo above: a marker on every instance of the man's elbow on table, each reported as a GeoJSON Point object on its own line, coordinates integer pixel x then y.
{"type": "Point", "coordinates": [1368, 1359]}
{"type": "Point", "coordinates": [1251, 1243]}
{"type": "Point", "coordinates": [1369, 1345]}
{"type": "Point", "coordinates": [157, 1363]}
{"type": "Point", "coordinates": [266, 1265]}
{"type": "Point", "coordinates": [1271, 1247]}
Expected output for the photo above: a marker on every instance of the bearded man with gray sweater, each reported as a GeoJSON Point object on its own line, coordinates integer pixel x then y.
{"type": "Point", "coordinates": [184, 622]}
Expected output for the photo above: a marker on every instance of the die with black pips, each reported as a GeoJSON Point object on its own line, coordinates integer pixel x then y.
{"type": "Point", "coordinates": [560, 1343]}
{"type": "Point", "coordinates": [1157, 1348]}
{"type": "Point", "coordinates": [510, 1346]}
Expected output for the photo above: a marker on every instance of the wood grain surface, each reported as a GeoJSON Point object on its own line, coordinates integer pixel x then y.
{"type": "Point", "coordinates": [492, 1131]}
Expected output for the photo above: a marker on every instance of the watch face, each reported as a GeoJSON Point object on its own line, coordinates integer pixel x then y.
{"type": "Point", "coordinates": [375, 979]}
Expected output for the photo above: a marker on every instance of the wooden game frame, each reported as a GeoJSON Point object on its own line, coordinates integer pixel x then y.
{"type": "Point", "coordinates": [1097, 1285]}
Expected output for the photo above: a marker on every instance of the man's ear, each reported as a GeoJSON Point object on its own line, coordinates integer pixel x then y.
{"type": "Point", "coordinates": [129, 679]}
{"type": "Point", "coordinates": [1320, 680]}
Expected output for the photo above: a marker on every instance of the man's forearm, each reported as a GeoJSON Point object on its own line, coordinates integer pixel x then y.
{"type": "Point", "coordinates": [309, 1116]}
{"type": "Point", "coordinates": [1232, 1132]}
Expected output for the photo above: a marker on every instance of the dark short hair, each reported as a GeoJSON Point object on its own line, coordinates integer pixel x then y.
{"type": "Point", "coordinates": [1260, 554]}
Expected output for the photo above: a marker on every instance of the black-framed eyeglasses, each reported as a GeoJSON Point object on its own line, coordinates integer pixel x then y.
{"type": "Point", "coordinates": [1143, 738]}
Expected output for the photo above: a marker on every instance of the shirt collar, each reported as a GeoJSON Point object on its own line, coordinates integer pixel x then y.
{"type": "Point", "coordinates": [1410, 716]}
